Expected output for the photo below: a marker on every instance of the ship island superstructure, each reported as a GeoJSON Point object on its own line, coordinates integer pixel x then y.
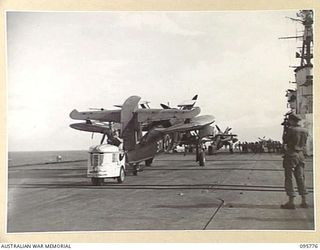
{"type": "Point", "coordinates": [300, 99]}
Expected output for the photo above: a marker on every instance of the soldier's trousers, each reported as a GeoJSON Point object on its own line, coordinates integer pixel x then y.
{"type": "Point", "coordinates": [294, 166]}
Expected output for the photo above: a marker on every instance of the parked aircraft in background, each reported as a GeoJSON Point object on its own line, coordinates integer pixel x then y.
{"type": "Point", "coordinates": [265, 143]}
{"type": "Point", "coordinates": [161, 127]}
{"type": "Point", "coordinates": [264, 140]}
{"type": "Point", "coordinates": [221, 139]}
{"type": "Point", "coordinates": [186, 105]}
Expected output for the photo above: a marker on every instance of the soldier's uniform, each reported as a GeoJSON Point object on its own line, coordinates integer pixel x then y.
{"type": "Point", "coordinates": [295, 140]}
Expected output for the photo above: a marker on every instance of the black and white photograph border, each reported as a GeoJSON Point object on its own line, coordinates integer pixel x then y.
{"type": "Point", "coordinates": [193, 109]}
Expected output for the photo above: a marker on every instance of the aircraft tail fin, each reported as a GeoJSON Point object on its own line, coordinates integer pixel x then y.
{"type": "Point", "coordinates": [128, 122]}
{"type": "Point", "coordinates": [189, 104]}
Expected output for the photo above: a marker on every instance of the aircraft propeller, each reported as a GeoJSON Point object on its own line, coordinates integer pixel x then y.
{"type": "Point", "coordinates": [218, 128]}
{"type": "Point", "coordinates": [145, 105]}
{"type": "Point", "coordinates": [164, 106]}
{"type": "Point", "coordinates": [186, 105]}
{"type": "Point", "coordinates": [227, 130]}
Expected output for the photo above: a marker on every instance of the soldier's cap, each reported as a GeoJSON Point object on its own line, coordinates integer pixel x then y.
{"type": "Point", "coordinates": [294, 117]}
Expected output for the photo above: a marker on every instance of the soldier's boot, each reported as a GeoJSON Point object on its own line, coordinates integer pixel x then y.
{"type": "Point", "coordinates": [304, 203]}
{"type": "Point", "coordinates": [289, 204]}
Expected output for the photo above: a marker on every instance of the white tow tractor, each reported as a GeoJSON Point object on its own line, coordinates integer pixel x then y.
{"type": "Point", "coordinates": [106, 161]}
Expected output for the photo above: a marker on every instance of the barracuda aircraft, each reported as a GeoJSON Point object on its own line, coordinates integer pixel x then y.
{"type": "Point", "coordinates": [162, 127]}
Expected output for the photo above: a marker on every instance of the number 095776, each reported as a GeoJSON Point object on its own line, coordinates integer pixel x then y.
{"type": "Point", "coordinates": [308, 246]}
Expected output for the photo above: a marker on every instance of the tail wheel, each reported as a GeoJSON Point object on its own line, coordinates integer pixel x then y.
{"type": "Point", "coordinates": [149, 162]}
{"type": "Point", "coordinates": [135, 169]}
{"type": "Point", "coordinates": [122, 175]}
{"type": "Point", "coordinates": [202, 158]}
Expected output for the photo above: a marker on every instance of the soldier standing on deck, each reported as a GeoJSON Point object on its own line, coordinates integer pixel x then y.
{"type": "Point", "coordinates": [294, 140]}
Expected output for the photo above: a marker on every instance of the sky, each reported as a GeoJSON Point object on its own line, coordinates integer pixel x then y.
{"type": "Point", "coordinates": [59, 61]}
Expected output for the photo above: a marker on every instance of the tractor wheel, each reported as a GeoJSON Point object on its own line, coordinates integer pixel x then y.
{"type": "Point", "coordinates": [122, 175]}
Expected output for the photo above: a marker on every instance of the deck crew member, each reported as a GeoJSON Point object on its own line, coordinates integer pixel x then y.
{"type": "Point", "coordinates": [294, 139]}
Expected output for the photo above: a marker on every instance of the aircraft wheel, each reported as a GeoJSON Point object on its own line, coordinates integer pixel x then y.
{"type": "Point", "coordinates": [149, 162]}
{"type": "Point", "coordinates": [210, 150]}
{"type": "Point", "coordinates": [202, 159]}
{"type": "Point", "coordinates": [135, 170]}
{"type": "Point", "coordinates": [122, 175]}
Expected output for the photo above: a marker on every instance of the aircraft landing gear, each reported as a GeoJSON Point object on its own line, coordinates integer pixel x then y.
{"type": "Point", "coordinates": [202, 158]}
{"type": "Point", "coordinates": [135, 171]}
{"type": "Point", "coordinates": [135, 168]}
{"type": "Point", "coordinates": [231, 148]}
{"type": "Point", "coordinates": [197, 153]}
{"type": "Point", "coordinates": [200, 155]}
{"type": "Point", "coordinates": [149, 162]}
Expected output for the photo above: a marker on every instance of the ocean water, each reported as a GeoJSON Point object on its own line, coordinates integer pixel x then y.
{"type": "Point", "coordinates": [35, 157]}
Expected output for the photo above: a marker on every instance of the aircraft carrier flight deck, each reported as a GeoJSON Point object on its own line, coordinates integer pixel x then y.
{"type": "Point", "coordinates": [231, 192]}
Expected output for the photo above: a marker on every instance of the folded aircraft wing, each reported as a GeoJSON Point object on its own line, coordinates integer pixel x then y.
{"type": "Point", "coordinates": [194, 124]}
{"type": "Point", "coordinates": [94, 128]}
{"type": "Point", "coordinates": [226, 135]}
{"type": "Point", "coordinates": [151, 115]}
{"type": "Point", "coordinates": [104, 116]}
